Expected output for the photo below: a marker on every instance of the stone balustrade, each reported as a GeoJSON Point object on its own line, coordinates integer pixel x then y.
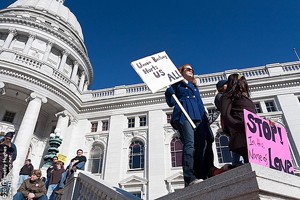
{"type": "Point", "coordinates": [36, 64]}
{"type": "Point", "coordinates": [291, 68]}
{"type": "Point", "coordinates": [83, 185]}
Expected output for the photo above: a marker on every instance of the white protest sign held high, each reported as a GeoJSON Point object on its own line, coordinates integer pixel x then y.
{"type": "Point", "coordinates": [157, 71]}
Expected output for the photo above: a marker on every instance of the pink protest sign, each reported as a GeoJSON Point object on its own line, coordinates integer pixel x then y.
{"type": "Point", "coordinates": [267, 145]}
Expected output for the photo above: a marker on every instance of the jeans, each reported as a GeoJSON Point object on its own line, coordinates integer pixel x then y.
{"type": "Point", "coordinates": [20, 196]}
{"type": "Point", "coordinates": [236, 159]}
{"type": "Point", "coordinates": [63, 179]}
{"type": "Point", "coordinates": [51, 189]}
{"type": "Point", "coordinates": [186, 132]}
{"type": "Point", "coordinates": [22, 178]}
{"type": "Point", "coordinates": [204, 156]}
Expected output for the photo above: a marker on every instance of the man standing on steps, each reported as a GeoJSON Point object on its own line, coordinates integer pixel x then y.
{"type": "Point", "coordinates": [77, 162]}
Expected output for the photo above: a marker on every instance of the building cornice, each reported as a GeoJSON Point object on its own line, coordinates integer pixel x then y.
{"type": "Point", "coordinates": [39, 82]}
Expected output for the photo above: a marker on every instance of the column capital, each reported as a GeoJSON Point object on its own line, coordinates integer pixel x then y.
{"type": "Point", "coordinates": [34, 95]}
{"type": "Point", "coordinates": [13, 31]}
{"type": "Point", "coordinates": [75, 62]}
{"type": "Point", "coordinates": [50, 42]}
{"type": "Point", "coordinates": [2, 88]}
{"type": "Point", "coordinates": [66, 52]}
{"type": "Point", "coordinates": [2, 85]}
{"type": "Point", "coordinates": [64, 113]}
{"type": "Point", "coordinates": [32, 35]}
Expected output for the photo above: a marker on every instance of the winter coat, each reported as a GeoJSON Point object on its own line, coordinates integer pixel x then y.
{"type": "Point", "coordinates": [233, 116]}
{"type": "Point", "coordinates": [37, 187]}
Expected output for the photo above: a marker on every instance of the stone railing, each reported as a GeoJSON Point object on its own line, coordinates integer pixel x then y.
{"type": "Point", "coordinates": [255, 73]}
{"type": "Point", "coordinates": [28, 61]}
{"type": "Point", "coordinates": [137, 89]}
{"type": "Point", "coordinates": [83, 185]}
{"type": "Point", "coordinates": [291, 68]}
{"type": "Point", "coordinates": [207, 79]}
{"type": "Point", "coordinates": [103, 93]}
{"type": "Point", "coordinates": [121, 91]}
{"type": "Point", "coordinates": [35, 64]}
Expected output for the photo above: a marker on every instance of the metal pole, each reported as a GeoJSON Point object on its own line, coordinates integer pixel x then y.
{"type": "Point", "coordinates": [184, 112]}
{"type": "Point", "coordinates": [296, 53]}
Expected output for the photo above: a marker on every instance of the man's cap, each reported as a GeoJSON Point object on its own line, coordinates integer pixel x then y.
{"type": "Point", "coordinates": [9, 134]}
{"type": "Point", "coordinates": [221, 83]}
{"type": "Point", "coordinates": [29, 160]}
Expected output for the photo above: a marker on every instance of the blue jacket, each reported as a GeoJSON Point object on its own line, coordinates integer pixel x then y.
{"type": "Point", "coordinates": [189, 97]}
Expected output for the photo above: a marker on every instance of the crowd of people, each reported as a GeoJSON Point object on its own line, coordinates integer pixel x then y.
{"type": "Point", "coordinates": [31, 184]}
{"type": "Point", "coordinates": [233, 96]}
{"type": "Point", "coordinates": [195, 133]}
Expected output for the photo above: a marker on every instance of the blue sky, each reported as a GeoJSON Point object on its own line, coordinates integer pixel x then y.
{"type": "Point", "coordinates": [212, 36]}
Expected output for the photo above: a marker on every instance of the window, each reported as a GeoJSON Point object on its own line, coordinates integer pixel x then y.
{"type": "Point", "coordinates": [143, 121]}
{"type": "Point", "coordinates": [224, 155]}
{"type": "Point", "coordinates": [211, 110]}
{"type": "Point", "coordinates": [176, 152]}
{"type": "Point", "coordinates": [105, 125]}
{"type": "Point", "coordinates": [169, 115]}
{"type": "Point", "coordinates": [136, 155]}
{"type": "Point", "coordinates": [9, 117]}
{"type": "Point", "coordinates": [131, 122]}
{"type": "Point", "coordinates": [270, 106]}
{"type": "Point", "coordinates": [94, 126]}
{"type": "Point", "coordinates": [258, 108]}
{"type": "Point", "coordinates": [137, 194]}
{"type": "Point", "coordinates": [96, 159]}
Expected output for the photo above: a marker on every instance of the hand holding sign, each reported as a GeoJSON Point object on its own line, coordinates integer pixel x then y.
{"type": "Point", "coordinates": [157, 71]}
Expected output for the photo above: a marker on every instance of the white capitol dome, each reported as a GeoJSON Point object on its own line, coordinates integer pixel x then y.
{"type": "Point", "coordinates": [53, 7]}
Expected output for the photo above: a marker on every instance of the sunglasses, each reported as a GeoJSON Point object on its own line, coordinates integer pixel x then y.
{"type": "Point", "coordinates": [9, 139]}
{"type": "Point", "coordinates": [188, 69]}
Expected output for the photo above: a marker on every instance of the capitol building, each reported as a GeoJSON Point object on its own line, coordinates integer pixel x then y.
{"type": "Point", "coordinates": [124, 131]}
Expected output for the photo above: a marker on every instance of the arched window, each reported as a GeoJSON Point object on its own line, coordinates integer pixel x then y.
{"type": "Point", "coordinates": [176, 152]}
{"type": "Point", "coordinates": [96, 159]}
{"type": "Point", "coordinates": [136, 155]}
{"type": "Point", "coordinates": [224, 155]}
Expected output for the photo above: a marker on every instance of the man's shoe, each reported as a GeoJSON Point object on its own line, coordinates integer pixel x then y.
{"type": "Point", "coordinates": [195, 181]}
{"type": "Point", "coordinates": [227, 167]}
{"type": "Point", "coordinates": [60, 191]}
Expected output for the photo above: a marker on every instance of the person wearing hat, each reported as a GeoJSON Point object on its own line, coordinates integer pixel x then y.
{"type": "Point", "coordinates": [25, 172]}
{"type": "Point", "coordinates": [221, 87]}
{"type": "Point", "coordinates": [32, 188]}
{"type": "Point", "coordinates": [8, 154]}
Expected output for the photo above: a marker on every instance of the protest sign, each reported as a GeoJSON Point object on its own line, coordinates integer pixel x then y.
{"type": "Point", "coordinates": [157, 71]}
{"type": "Point", "coordinates": [62, 158]}
{"type": "Point", "coordinates": [267, 144]}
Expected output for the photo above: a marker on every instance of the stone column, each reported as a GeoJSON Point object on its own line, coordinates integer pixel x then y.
{"type": "Point", "coordinates": [48, 50]}
{"type": "Point", "coordinates": [85, 87]}
{"type": "Point", "coordinates": [25, 133]}
{"type": "Point", "coordinates": [289, 105]}
{"type": "Point", "coordinates": [29, 43]}
{"type": "Point", "coordinates": [74, 71]}
{"type": "Point", "coordinates": [2, 88]}
{"type": "Point", "coordinates": [12, 33]}
{"type": "Point", "coordinates": [63, 60]}
{"type": "Point", "coordinates": [82, 79]}
{"type": "Point", "coordinates": [62, 125]}
{"type": "Point", "coordinates": [67, 140]}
